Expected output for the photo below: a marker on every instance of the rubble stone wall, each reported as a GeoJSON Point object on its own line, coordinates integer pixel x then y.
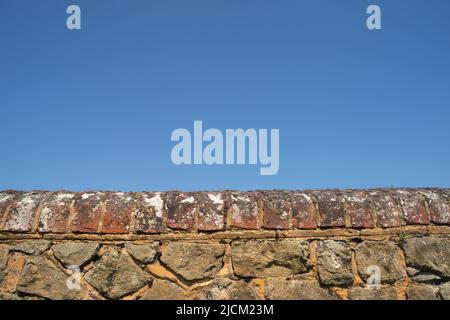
{"type": "Point", "coordinates": [267, 245]}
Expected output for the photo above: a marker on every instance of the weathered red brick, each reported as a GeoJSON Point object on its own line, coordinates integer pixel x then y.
{"type": "Point", "coordinates": [211, 215]}
{"type": "Point", "coordinates": [446, 192]}
{"type": "Point", "coordinates": [22, 211]}
{"type": "Point", "coordinates": [55, 213]}
{"type": "Point", "coordinates": [87, 212]}
{"type": "Point", "coordinates": [276, 206]}
{"type": "Point", "coordinates": [244, 210]}
{"type": "Point", "coordinates": [180, 208]}
{"type": "Point", "coordinates": [304, 212]}
{"type": "Point", "coordinates": [149, 216]}
{"type": "Point", "coordinates": [118, 210]}
{"type": "Point", "coordinates": [387, 212]}
{"type": "Point", "coordinates": [331, 210]}
{"type": "Point", "coordinates": [6, 198]}
{"type": "Point", "coordinates": [413, 206]}
{"type": "Point", "coordinates": [359, 207]}
{"type": "Point", "coordinates": [439, 206]}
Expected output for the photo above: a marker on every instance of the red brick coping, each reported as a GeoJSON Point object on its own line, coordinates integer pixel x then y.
{"type": "Point", "coordinates": [136, 213]}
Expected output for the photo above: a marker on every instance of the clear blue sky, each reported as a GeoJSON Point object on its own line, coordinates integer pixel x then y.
{"type": "Point", "coordinates": [95, 108]}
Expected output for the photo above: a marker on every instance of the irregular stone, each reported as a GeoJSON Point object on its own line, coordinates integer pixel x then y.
{"type": "Point", "coordinates": [116, 275]}
{"type": "Point", "coordinates": [412, 271]}
{"type": "Point", "coordinates": [42, 278]}
{"type": "Point", "coordinates": [193, 261]}
{"type": "Point", "coordinates": [269, 258]}
{"type": "Point", "coordinates": [4, 250]}
{"type": "Point", "coordinates": [334, 263]}
{"type": "Point", "coordinates": [428, 254]}
{"type": "Point", "coordinates": [282, 289]}
{"type": "Point", "coordinates": [2, 276]}
{"type": "Point", "coordinates": [9, 296]}
{"type": "Point", "coordinates": [32, 247]}
{"type": "Point", "coordinates": [414, 292]}
{"type": "Point", "coordinates": [226, 289]}
{"type": "Point", "coordinates": [444, 290]}
{"type": "Point", "coordinates": [425, 277]}
{"type": "Point", "coordinates": [13, 271]}
{"type": "Point", "coordinates": [75, 253]}
{"type": "Point", "coordinates": [382, 254]}
{"type": "Point", "coordinates": [12, 296]}
{"type": "Point", "coordinates": [165, 290]}
{"type": "Point", "coordinates": [144, 253]}
{"type": "Point", "coordinates": [372, 294]}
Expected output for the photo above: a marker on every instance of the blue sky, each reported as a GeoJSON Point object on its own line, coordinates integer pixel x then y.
{"type": "Point", "coordinates": [95, 108]}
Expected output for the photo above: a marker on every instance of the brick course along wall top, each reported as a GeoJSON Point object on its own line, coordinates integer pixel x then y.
{"type": "Point", "coordinates": [326, 244]}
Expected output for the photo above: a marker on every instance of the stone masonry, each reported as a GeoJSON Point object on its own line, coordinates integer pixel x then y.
{"type": "Point", "coordinates": [383, 244]}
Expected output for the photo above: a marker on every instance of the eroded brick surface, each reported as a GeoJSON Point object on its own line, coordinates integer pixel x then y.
{"type": "Point", "coordinates": [55, 213]}
{"type": "Point", "coordinates": [149, 216]}
{"type": "Point", "coordinates": [413, 205]}
{"type": "Point", "coordinates": [331, 210]}
{"type": "Point", "coordinates": [6, 199]}
{"type": "Point", "coordinates": [244, 210]}
{"type": "Point", "coordinates": [22, 212]}
{"type": "Point", "coordinates": [276, 206]}
{"type": "Point", "coordinates": [359, 207]}
{"type": "Point", "coordinates": [387, 212]}
{"type": "Point", "coordinates": [180, 208]}
{"type": "Point", "coordinates": [87, 212]}
{"type": "Point", "coordinates": [439, 206]}
{"type": "Point", "coordinates": [117, 216]}
{"type": "Point", "coordinates": [155, 212]}
{"type": "Point", "coordinates": [211, 215]}
{"type": "Point", "coordinates": [304, 212]}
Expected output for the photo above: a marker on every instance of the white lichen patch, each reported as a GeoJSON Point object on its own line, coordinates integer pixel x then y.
{"type": "Point", "coordinates": [118, 197]}
{"type": "Point", "coordinates": [216, 198]}
{"type": "Point", "coordinates": [189, 199]}
{"type": "Point", "coordinates": [156, 202]}
{"type": "Point", "coordinates": [64, 196]}
{"type": "Point", "coordinates": [210, 218]}
{"type": "Point", "coordinates": [305, 197]}
{"type": "Point", "coordinates": [355, 198]}
{"type": "Point", "coordinates": [94, 198]}
{"type": "Point", "coordinates": [240, 198]}
{"type": "Point", "coordinates": [436, 201]}
{"type": "Point", "coordinates": [386, 208]}
{"type": "Point", "coordinates": [409, 202]}
{"type": "Point", "coordinates": [237, 214]}
{"type": "Point", "coordinates": [4, 197]}
{"type": "Point", "coordinates": [284, 215]}
{"type": "Point", "coordinates": [86, 196]}
{"type": "Point", "coordinates": [21, 214]}
{"type": "Point", "coordinates": [46, 215]}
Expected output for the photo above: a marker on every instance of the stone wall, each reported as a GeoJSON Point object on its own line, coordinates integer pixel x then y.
{"type": "Point", "coordinates": [328, 244]}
